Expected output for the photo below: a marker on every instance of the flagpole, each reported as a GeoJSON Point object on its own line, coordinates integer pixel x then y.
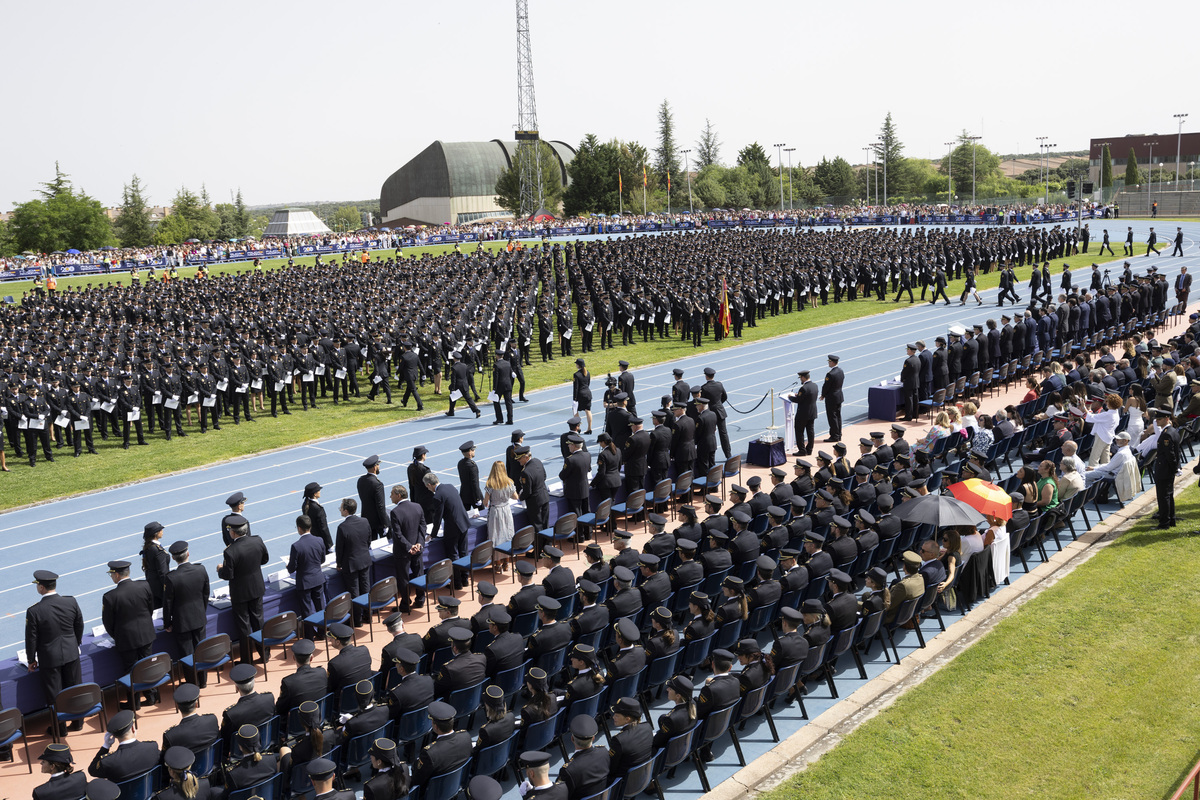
{"type": "Point", "coordinates": [620, 195]}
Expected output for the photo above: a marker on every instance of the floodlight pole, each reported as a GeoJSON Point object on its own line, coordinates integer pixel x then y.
{"type": "Point", "coordinates": [791, 177]}
{"type": "Point", "coordinates": [1178, 147]}
{"type": "Point", "coordinates": [1150, 176]}
{"type": "Point", "coordinates": [950, 175]}
{"type": "Point", "coordinates": [688, 171]}
{"type": "Point", "coordinates": [779, 149]}
{"type": "Point", "coordinates": [973, 139]}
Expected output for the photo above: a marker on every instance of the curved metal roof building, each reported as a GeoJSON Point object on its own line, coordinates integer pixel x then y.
{"type": "Point", "coordinates": [454, 182]}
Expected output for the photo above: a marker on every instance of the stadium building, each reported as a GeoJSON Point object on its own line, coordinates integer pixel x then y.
{"type": "Point", "coordinates": [454, 183]}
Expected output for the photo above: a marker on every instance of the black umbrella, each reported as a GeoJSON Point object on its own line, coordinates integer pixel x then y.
{"type": "Point", "coordinates": [939, 511]}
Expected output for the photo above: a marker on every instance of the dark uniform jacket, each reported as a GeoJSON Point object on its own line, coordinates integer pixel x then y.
{"type": "Point", "coordinates": [62, 787]}
{"type": "Point", "coordinates": [195, 732]}
{"type": "Point", "coordinates": [633, 745]}
{"type": "Point", "coordinates": [348, 667]}
{"type": "Point", "coordinates": [124, 762]}
{"type": "Point", "coordinates": [185, 604]}
{"type": "Point", "coordinates": [128, 610]}
{"type": "Point", "coordinates": [586, 773]}
{"type": "Point", "coordinates": [412, 692]}
{"type": "Point", "coordinates": [243, 561]}
{"type": "Point", "coordinates": [443, 754]}
{"type": "Point", "coordinates": [252, 709]}
{"type": "Point", "coordinates": [53, 631]}
{"type": "Point", "coordinates": [306, 683]}
{"type": "Point", "coordinates": [466, 669]}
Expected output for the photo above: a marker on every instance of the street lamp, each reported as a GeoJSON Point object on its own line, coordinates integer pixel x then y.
{"type": "Point", "coordinates": [973, 139]}
{"type": "Point", "coordinates": [1179, 145]}
{"type": "Point", "coordinates": [872, 163]}
{"type": "Point", "coordinates": [883, 156]}
{"type": "Point", "coordinates": [950, 174]}
{"type": "Point", "coordinates": [1150, 178]}
{"type": "Point", "coordinates": [1191, 176]}
{"type": "Point", "coordinates": [688, 171]}
{"type": "Point", "coordinates": [791, 177]}
{"type": "Point", "coordinates": [1049, 147]}
{"type": "Point", "coordinates": [779, 149]}
{"type": "Point", "coordinates": [1041, 147]}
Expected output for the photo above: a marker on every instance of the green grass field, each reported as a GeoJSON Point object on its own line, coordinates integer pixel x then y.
{"type": "Point", "coordinates": [115, 466]}
{"type": "Point", "coordinates": [1088, 691]}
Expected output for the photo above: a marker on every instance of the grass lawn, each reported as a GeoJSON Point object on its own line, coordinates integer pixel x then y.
{"type": "Point", "coordinates": [1088, 691]}
{"type": "Point", "coordinates": [113, 466]}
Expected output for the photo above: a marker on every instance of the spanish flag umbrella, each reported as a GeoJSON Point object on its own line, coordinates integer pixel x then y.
{"type": "Point", "coordinates": [986, 498]}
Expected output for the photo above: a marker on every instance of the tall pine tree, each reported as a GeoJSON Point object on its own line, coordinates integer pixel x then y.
{"type": "Point", "coordinates": [1133, 176]}
{"type": "Point", "coordinates": [1106, 169]}
{"type": "Point", "coordinates": [133, 227]}
{"type": "Point", "coordinates": [666, 156]}
{"type": "Point", "coordinates": [708, 147]}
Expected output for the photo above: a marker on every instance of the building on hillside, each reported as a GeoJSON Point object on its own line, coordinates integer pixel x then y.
{"type": "Point", "coordinates": [1163, 148]}
{"type": "Point", "coordinates": [295, 222]}
{"type": "Point", "coordinates": [454, 183]}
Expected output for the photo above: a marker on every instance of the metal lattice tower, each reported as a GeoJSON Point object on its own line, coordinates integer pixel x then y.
{"type": "Point", "coordinates": [529, 151]}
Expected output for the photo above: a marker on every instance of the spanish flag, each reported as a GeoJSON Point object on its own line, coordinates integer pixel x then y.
{"type": "Point", "coordinates": [620, 183]}
{"type": "Point", "coordinates": [668, 181]}
{"type": "Point", "coordinates": [643, 176]}
{"type": "Point", "coordinates": [724, 319]}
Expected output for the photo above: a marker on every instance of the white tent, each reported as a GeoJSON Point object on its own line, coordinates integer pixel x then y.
{"type": "Point", "coordinates": [295, 222]}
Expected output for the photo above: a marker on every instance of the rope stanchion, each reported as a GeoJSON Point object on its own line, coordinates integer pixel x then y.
{"type": "Point", "coordinates": [751, 411]}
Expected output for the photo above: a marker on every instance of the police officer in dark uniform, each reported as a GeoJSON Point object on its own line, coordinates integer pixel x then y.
{"type": "Point", "coordinates": [1166, 464]}
{"type": "Point", "coordinates": [128, 617]}
{"type": "Point", "coordinates": [831, 393]}
{"type": "Point", "coordinates": [449, 749]}
{"type": "Point", "coordinates": [185, 602]}
{"type": "Point", "coordinates": [195, 731]}
{"type": "Point", "coordinates": [241, 566]}
{"type": "Point", "coordinates": [63, 784]}
{"type": "Point", "coordinates": [53, 632]}
{"type": "Point", "coordinates": [306, 683]}
{"type": "Point", "coordinates": [464, 669]}
{"type": "Point", "coordinates": [587, 771]}
{"type": "Point", "coordinates": [714, 391]}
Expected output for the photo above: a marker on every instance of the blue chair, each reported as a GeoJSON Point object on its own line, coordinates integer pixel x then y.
{"type": "Point", "coordinates": [731, 469]}
{"type": "Point", "coordinates": [660, 496]}
{"type": "Point", "coordinates": [938, 401]}
{"type": "Point", "coordinates": [525, 624]}
{"type": "Point", "coordinates": [638, 779]}
{"type": "Point", "coordinates": [438, 576]}
{"type": "Point", "coordinates": [634, 505]}
{"type": "Point", "coordinates": [208, 758]}
{"type": "Point", "coordinates": [564, 528]}
{"type": "Point", "coordinates": [679, 601]}
{"type": "Point", "coordinates": [439, 658]}
{"type": "Point", "coordinates": [710, 483]}
{"type": "Point", "coordinates": [447, 785]}
{"type": "Point", "coordinates": [540, 735]}
{"type": "Point", "coordinates": [479, 558]}
{"type": "Point", "coordinates": [746, 571]}
{"type": "Point", "coordinates": [658, 672]}
{"type": "Point", "coordinates": [903, 614]}
{"type": "Point", "coordinates": [608, 793]}
{"type": "Point", "coordinates": [840, 642]}
{"type": "Point", "coordinates": [294, 728]}
{"type": "Point", "coordinates": [413, 726]}
{"type": "Point", "coordinates": [466, 701]}
{"type": "Point", "coordinates": [278, 630]}
{"type": "Point", "coordinates": [677, 750]}
{"type": "Point", "coordinates": [683, 488]}
{"type": "Point", "coordinates": [552, 662]}
{"type": "Point", "coordinates": [696, 653]}
{"type": "Point", "coordinates": [568, 603]}
{"type": "Point", "coordinates": [758, 525]}
{"type": "Point", "coordinates": [143, 786]}
{"type": "Point", "coordinates": [356, 751]}
{"type": "Point", "coordinates": [585, 706]}
{"type": "Point", "coordinates": [12, 728]}
{"type": "Point", "coordinates": [868, 631]}
{"type": "Point", "coordinates": [785, 679]}
{"type": "Point", "coordinates": [337, 610]}
{"type": "Point", "coordinates": [755, 702]}
{"type": "Point", "coordinates": [149, 673]}
{"type": "Point", "coordinates": [761, 617]}
{"type": "Point", "coordinates": [270, 789]}
{"type": "Point", "coordinates": [711, 585]}
{"type": "Point", "coordinates": [300, 784]}
{"type": "Point", "coordinates": [494, 759]}
{"type": "Point", "coordinates": [595, 521]}
{"type": "Point", "coordinates": [729, 634]}
{"type": "Point", "coordinates": [605, 589]}
{"type": "Point", "coordinates": [382, 595]}
{"type": "Point", "coordinates": [712, 728]}
{"type": "Point", "coordinates": [77, 703]}
{"type": "Point", "coordinates": [268, 733]}
{"type": "Point", "coordinates": [521, 544]}
{"type": "Point", "coordinates": [627, 686]}
{"type": "Point", "coordinates": [347, 699]}
{"type": "Point", "coordinates": [210, 654]}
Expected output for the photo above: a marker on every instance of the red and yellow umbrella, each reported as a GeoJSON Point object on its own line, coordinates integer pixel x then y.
{"type": "Point", "coordinates": [986, 498]}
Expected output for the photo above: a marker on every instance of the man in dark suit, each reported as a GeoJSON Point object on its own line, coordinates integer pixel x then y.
{"type": "Point", "coordinates": [831, 393]}
{"type": "Point", "coordinates": [683, 438]}
{"type": "Point", "coordinates": [185, 604]}
{"type": "Point", "coordinates": [407, 532]}
{"type": "Point", "coordinates": [635, 456]}
{"type": "Point", "coordinates": [587, 771]}
{"type": "Point", "coordinates": [532, 488]}
{"type": "Point", "coordinates": [464, 669]}
{"type": "Point", "coordinates": [351, 664]}
{"type": "Point", "coordinates": [352, 553]}
{"type": "Point", "coordinates": [194, 731]}
{"type": "Point", "coordinates": [128, 616]}
{"type": "Point", "coordinates": [306, 683]}
{"type": "Point", "coordinates": [932, 570]}
{"type": "Point", "coordinates": [448, 507]}
{"type": "Point", "coordinates": [502, 386]}
{"type": "Point", "coordinates": [1166, 465]}
{"type": "Point", "coordinates": [305, 560]}
{"type": "Point", "coordinates": [448, 751]}
{"type": "Point", "coordinates": [370, 496]}
{"type": "Point", "coordinates": [53, 631]}
{"type": "Point", "coordinates": [1183, 281]}
{"type": "Point", "coordinates": [805, 415]}
{"type": "Point", "coordinates": [910, 380]}
{"type": "Point", "coordinates": [574, 475]}
{"type": "Point", "coordinates": [242, 566]}
{"type": "Point", "coordinates": [251, 707]}
{"type": "Point", "coordinates": [714, 391]}
{"type": "Point", "coordinates": [122, 756]}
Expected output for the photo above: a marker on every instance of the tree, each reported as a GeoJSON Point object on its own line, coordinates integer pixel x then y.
{"type": "Point", "coordinates": [708, 147]}
{"type": "Point", "coordinates": [753, 154]}
{"type": "Point", "coordinates": [64, 218]}
{"type": "Point", "coordinates": [241, 216]}
{"type": "Point", "coordinates": [133, 226]}
{"type": "Point", "coordinates": [1106, 169]}
{"type": "Point", "coordinates": [593, 171]}
{"type": "Point", "coordinates": [709, 186]}
{"type": "Point", "coordinates": [834, 178]}
{"type": "Point", "coordinates": [345, 218]}
{"type": "Point", "coordinates": [1133, 177]}
{"type": "Point", "coordinates": [508, 185]}
{"type": "Point", "coordinates": [888, 154]}
{"type": "Point", "coordinates": [968, 155]}
{"type": "Point", "coordinates": [666, 156]}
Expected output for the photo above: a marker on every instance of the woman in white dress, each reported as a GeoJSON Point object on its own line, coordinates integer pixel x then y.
{"type": "Point", "coordinates": [498, 492]}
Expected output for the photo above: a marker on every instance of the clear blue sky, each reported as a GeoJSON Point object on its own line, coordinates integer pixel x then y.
{"type": "Point", "coordinates": [322, 101]}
